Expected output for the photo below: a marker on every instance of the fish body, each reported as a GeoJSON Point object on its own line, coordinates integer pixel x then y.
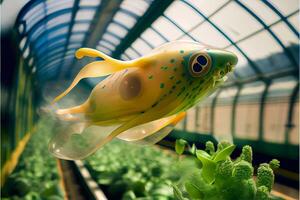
{"type": "Point", "coordinates": [150, 93]}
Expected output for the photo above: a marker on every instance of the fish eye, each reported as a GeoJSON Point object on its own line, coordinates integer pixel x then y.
{"type": "Point", "coordinates": [202, 60]}
{"type": "Point", "coordinates": [200, 64]}
{"type": "Point", "coordinates": [197, 68]}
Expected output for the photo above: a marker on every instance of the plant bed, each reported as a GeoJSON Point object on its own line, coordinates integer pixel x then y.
{"type": "Point", "coordinates": [126, 171]}
{"type": "Point", "coordinates": [36, 176]}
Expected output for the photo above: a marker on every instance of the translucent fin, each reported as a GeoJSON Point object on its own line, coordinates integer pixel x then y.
{"type": "Point", "coordinates": [71, 143]}
{"type": "Point", "coordinates": [160, 128]}
{"type": "Point", "coordinates": [95, 69]}
{"type": "Point", "coordinates": [77, 141]}
{"type": "Point", "coordinates": [74, 110]}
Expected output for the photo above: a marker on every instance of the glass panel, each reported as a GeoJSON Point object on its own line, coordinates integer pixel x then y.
{"type": "Point", "coordinates": [60, 31]}
{"type": "Point", "coordinates": [26, 52]}
{"type": "Point", "coordinates": [54, 5]}
{"type": "Point", "coordinates": [77, 38]}
{"type": "Point", "coordinates": [58, 20]}
{"type": "Point", "coordinates": [186, 18]}
{"type": "Point", "coordinates": [85, 14]}
{"type": "Point", "coordinates": [294, 20]}
{"type": "Point", "coordinates": [167, 29]}
{"type": "Point", "coordinates": [284, 34]}
{"type": "Point", "coordinates": [282, 87]}
{"type": "Point", "coordinates": [61, 42]}
{"type": "Point", "coordinates": [186, 37]}
{"type": "Point", "coordinates": [286, 7]}
{"type": "Point", "coordinates": [125, 19]}
{"type": "Point", "coordinates": [80, 27]}
{"type": "Point", "coordinates": [207, 7]}
{"type": "Point", "coordinates": [30, 62]}
{"type": "Point", "coordinates": [235, 27]}
{"type": "Point", "coordinates": [152, 37]}
{"type": "Point", "coordinates": [265, 52]}
{"type": "Point", "coordinates": [71, 52]}
{"type": "Point", "coordinates": [89, 2]}
{"type": "Point", "coordinates": [74, 46]}
{"type": "Point", "coordinates": [34, 15]}
{"type": "Point", "coordinates": [106, 44]}
{"type": "Point", "coordinates": [111, 38]}
{"type": "Point", "coordinates": [137, 7]}
{"type": "Point", "coordinates": [37, 32]}
{"type": "Point", "coordinates": [227, 95]}
{"type": "Point", "coordinates": [39, 8]}
{"type": "Point", "coordinates": [206, 34]}
{"type": "Point", "coordinates": [262, 11]}
{"type": "Point", "coordinates": [22, 43]}
{"type": "Point", "coordinates": [103, 50]}
{"type": "Point", "coordinates": [191, 120]}
{"type": "Point", "coordinates": [252, 92]}
{"type": "Point", "coordinates": [118, 30]}
{"type": "Point", "coordinates": [35, 18]}
{"type": "Point", "coordinates": [124, 57]}
{"type": "Point", "coordinates": [294, 134]}
{"type": "Point", "coordinates": [141, 47]}
{"type": "Point", "coordinates": [131, 53]}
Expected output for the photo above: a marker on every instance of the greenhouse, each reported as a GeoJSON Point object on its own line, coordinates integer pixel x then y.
{"type": "Point", "coordinates": [149, 99]}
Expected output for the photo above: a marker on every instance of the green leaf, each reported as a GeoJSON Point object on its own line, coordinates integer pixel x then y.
{"type": "Point", "coordinates": [209, 166]}
{"type": "Point", "coordinates": [192, 190]}
{"type": "Point", "coordinates": [177, 193]}
{"type": "Point", "coordinates": [193, 149]}
{"type": "Point", "coordinates": [203, 154]}
{"type": "Point", "coordinates": [179, 146]}
{"type": "Point", "coordinates": [224, 153]}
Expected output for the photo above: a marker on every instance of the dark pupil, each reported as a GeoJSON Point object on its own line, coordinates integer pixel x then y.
{"type": "Point", "coordinates": [202, 60]}
{"type": "Point", "coordinates": [197, 68]}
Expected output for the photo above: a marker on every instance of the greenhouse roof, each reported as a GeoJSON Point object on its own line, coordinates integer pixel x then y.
{"type": "Point", "coordinates": [264, 34]}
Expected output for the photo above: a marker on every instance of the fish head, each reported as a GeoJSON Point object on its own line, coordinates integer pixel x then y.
{"type": "Point", "coordinates": [209, 63]}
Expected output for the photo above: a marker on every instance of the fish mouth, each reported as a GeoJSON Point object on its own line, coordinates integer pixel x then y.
{"type": "Point", "coordinates": [219, 74]}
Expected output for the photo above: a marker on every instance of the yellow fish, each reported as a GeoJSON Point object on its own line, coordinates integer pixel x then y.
{"type": "Point", "coordinates": [141, 100]}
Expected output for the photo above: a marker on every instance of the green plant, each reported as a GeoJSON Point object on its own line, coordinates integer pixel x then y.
{"type": "Point", "coordinates": [222, 178]}
{"type": "Point", "coordinates": [127, 171]}
{"type": "Point", "coordinates": [36, 176]}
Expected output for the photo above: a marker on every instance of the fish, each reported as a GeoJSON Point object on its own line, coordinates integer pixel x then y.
{"type": "Point", "coordinates": [140, 100]}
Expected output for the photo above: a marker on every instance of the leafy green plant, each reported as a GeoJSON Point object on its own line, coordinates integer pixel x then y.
{"type": "Point", "coordinates": [222, 178]}
{"type": "Point", "coordinates": [127, 171]}
{"type": "Point", "coordinates": [36, 176]}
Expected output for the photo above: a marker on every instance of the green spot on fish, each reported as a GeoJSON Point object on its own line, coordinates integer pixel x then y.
{"type": "Point", "coordinates": [150, 77]}
{"type": "Point", "coordinates": [164, 68]}
{"type": "Point", "coordinates": [175, 69]}
{"type": "Point", "coordinates": [162, 85]}
{"type": "Point", "coordinates": [173, 87]}
{"type": "Point", "coordinates": [178, 82]}
{"type": "Point", "coordinates": [155, 104]}
{"type": "Point", "coordinates": [172, 60]}
{"type": "Point", "coordinates": [181, 51]}
{"type": "Point", "coordinates": [171, 77]}
{"type": "Point", "coordinates": [103, 86]}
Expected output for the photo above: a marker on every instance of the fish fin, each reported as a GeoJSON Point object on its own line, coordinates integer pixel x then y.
{"type": "Point", "coordinates": [73, 110]}
{"type": "Point", "coordinates": [71, 145]}
{"type": "Point", "coordinates": [152, 131]}
{"type": "Point", "coordinates": [95, 69]}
